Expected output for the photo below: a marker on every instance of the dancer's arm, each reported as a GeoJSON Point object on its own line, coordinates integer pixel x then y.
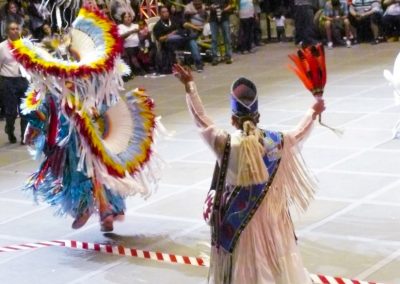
{"type": "Point", "coordinates": [214, 137]}
{"type": "Point", "coordinates": [303, 129]}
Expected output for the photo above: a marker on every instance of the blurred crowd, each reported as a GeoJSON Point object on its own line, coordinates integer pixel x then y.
{"type": "Point", "coordinates": [211, 30]}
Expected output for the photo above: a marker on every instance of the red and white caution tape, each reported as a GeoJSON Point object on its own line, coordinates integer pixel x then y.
{"type": "Point", "coordinates": [30, 246]}
{"type": "Point", "coordinates": [322, 279]}
{"type": "Point", "coordinates": [158, 256]}
{"type": "Point", "coordinates": [116, 250]}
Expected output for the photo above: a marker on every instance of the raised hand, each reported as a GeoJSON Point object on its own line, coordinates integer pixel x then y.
{"type": "Point", "coordinates": [182, 73]}
{"type": "Point", "coordinates": [318, 107]}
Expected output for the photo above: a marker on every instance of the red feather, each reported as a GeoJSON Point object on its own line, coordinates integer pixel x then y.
{"type": "Point", "coordinates": [310, 68]}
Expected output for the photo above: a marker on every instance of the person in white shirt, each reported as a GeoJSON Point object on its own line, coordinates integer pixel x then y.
{"type": "Point", "coordinates": [129, 31]}
{"type": "Point", "coordinates": [13, 84]}
{"type": "Point", "coordinates": [279, 19]}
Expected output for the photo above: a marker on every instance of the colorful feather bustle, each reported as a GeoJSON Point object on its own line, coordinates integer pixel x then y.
{"type": "Point", "coordinates": [104, 34]}
{"type": "Point", "coordinates": [126, 148]}
{"type": "Point", "coordinates": [98, 145]}
{"type": "Point", "coordinates": [96, 75]}
{"type": "Point", "coordinates": [31, 102]}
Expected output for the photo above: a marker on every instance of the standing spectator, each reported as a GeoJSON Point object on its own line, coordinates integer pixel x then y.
{"type": "Point", "coordinates": [257, 34]}
{"type": "Point", "coordinates": [171, 39]}
{"type": "Point", "coordinates": [391, 19]}
{"type": "Point", "coordinates": [303, 22]}
{"type": "Point", "coordinates": [247, 21]}
{"type": "Point", "coordinates": [12, 14]}
{"type": "Point", "coordinates": [367, 12]}
{"type": "Point", "coordinates": [130, 33]}
{"type": "Point", "coordinates": [280, 19]}
{"type": "Point", "coordinates": [219, 20]}
{"type": "Point", "coordinates": [13, 85]}
{"type": "Point", "coordinates": [335, 17]}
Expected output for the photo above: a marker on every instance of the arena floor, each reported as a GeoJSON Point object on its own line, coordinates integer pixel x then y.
{"type": "Point", "coordinates": [352, 229]}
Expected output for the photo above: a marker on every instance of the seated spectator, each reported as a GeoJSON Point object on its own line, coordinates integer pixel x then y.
{"type": "Point", "coordinates": [12, 14]}
{"type": "Point", "coordinates": [367, 12]}
{"type": "Point", "coordinates": [171, 39]}
{"type": "Point", "coordinates": [129, 31]}
{"type": "Point", "coordinates": [391, 19]}
{"type": "Point", "coordinates": [47, 33]}
{"type": "Point", "coordinates": [335, 18]}
{"type": "Point", "coordinates": [176, 16]}
{"type": "Point", "coordinates": [38, 14]}
{"type": "Point", "coordinates": [146, 48]}
{"type": "Point", "coordinates": [3, 9]}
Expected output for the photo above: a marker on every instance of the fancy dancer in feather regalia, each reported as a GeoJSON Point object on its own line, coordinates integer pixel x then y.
{"type": "Point", "coordinates": [253, 238]}
{"type": "Point", "coordinates": [97, 144]}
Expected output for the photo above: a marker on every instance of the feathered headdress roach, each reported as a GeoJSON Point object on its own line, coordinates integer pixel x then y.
{"type": "Point", "coordinates": [310, 67]}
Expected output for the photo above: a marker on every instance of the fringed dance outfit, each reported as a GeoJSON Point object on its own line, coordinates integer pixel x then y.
{"type": "Point", "coordinates": [97, 144]}
{"type": "Point", "coordinates": [256, 241]}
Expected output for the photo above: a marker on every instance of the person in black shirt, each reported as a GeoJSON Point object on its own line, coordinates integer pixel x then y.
{"type": "Point", "coordinates": [171, 38]}
{"type": "Point", "coordinates": [219, 20]}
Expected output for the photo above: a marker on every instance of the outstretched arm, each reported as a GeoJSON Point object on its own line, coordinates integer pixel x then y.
{"type": "Point", "coordinates": [213, 136]}
{"type": "Point", "coordinates": [303, 129]}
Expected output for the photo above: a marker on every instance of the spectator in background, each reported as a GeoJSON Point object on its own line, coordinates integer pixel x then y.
{"type": "Point", "coordinates": [176, 16]}
{"type": "Point", "coordinates": [257, 33]}
{"type": "Point", "coordinates": [391, 19]}
{"type": "Point", "coordinates": [219, 20]}
{"type": "Point", "coordinates": [196, 16]}
{"type": "Point", "coordinates": [172, 39]}
{"type": "Point", "coordinates": [117, 7]}
{"type": "Point", "coordinates": [146, 48]}
{"type": "Point", "coordinates": [247, 24]}
{"type": "Point", "coordinates": [367, 12]}
{"type": "Point", "coordinates": [12, 14]}
{"type": "Point", "coordinates": [129, 31]}
{"type": "Point", "coordinates": [303, 22]}
{"type": "Point", "coordinates": [3, 9]}
{"type": "Point", "coordinates": [13, 85]}
{"type": "Point", "coordinates": [335, 17]}
{"type": "Point", "coordinates": [279, 19]}
{"type": "Point", "coordinates": [38, 14]}
{"type": "Point", "coordinates": [104, 8]}
{"type": "Point", "coordinates": [47, 34]}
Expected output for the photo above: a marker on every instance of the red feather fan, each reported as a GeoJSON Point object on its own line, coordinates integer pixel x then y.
{"type": "Point", "coordinates": [311, 69]}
